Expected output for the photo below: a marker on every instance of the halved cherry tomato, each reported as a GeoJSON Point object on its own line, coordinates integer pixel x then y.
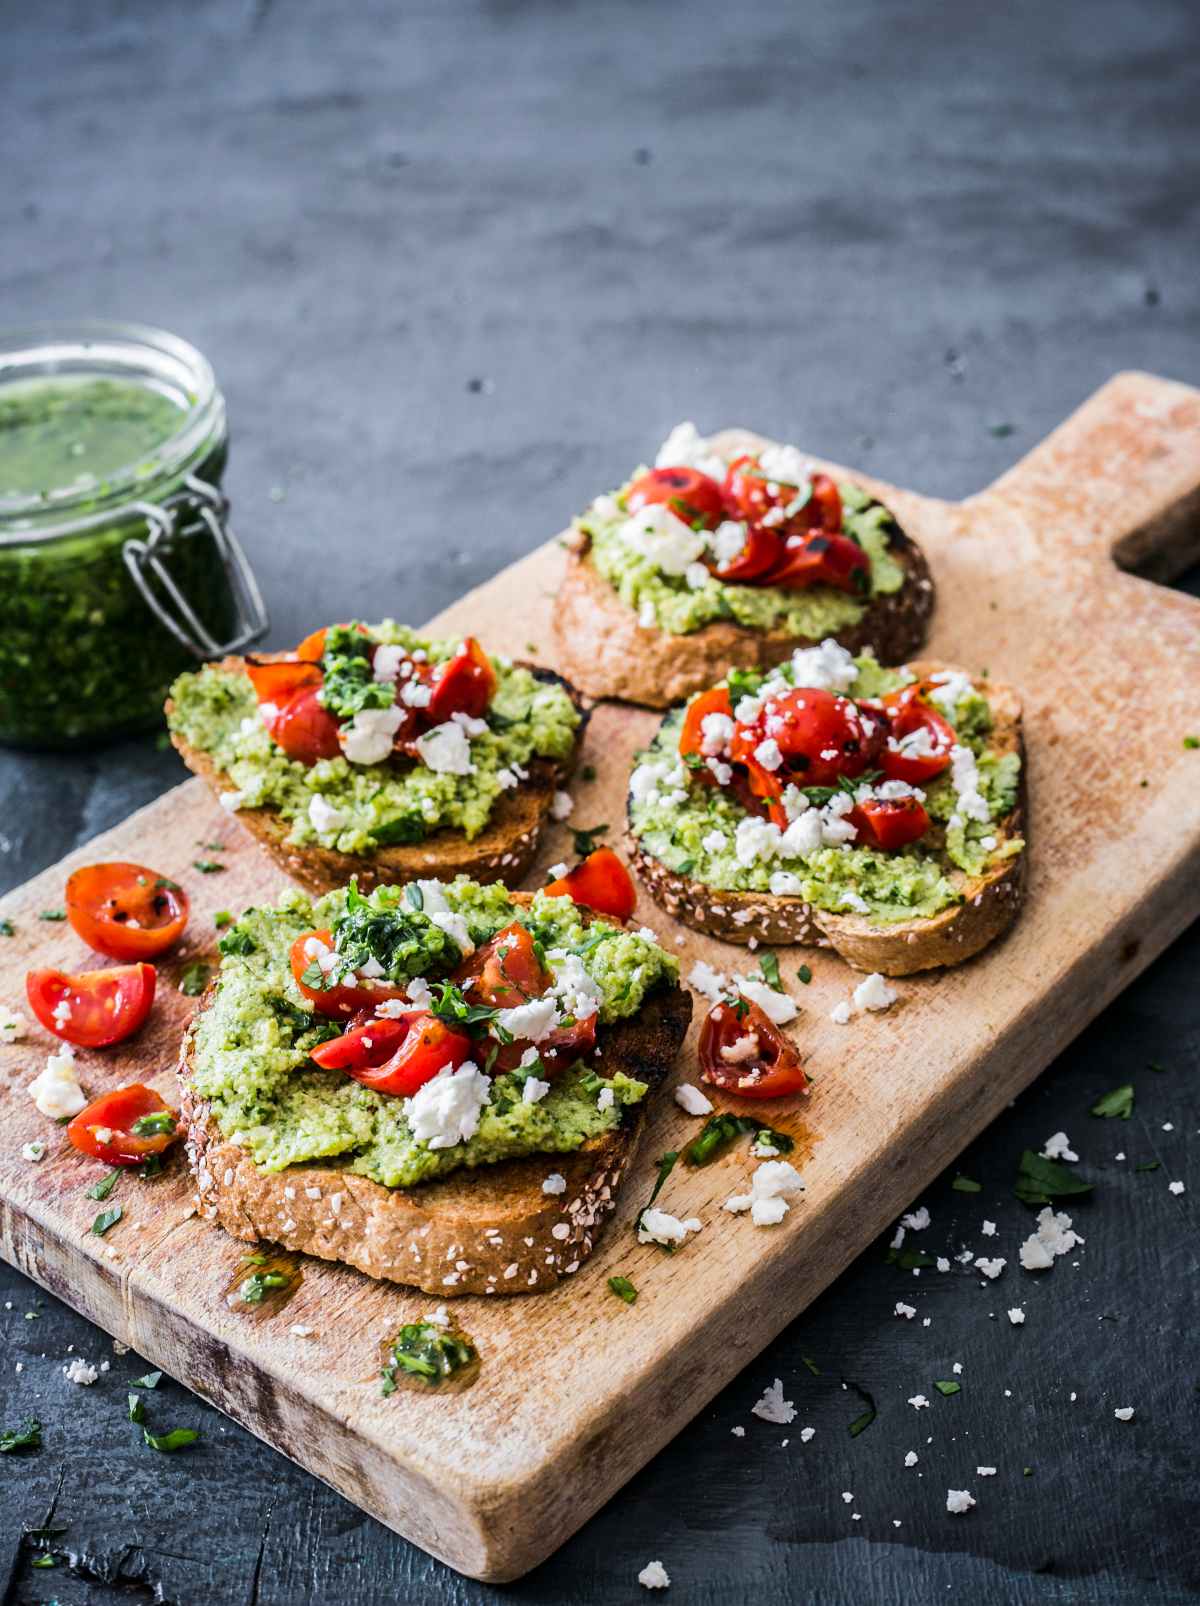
{"type": "Point", "coordinates": [765, 788]}
{"type": "Point", "coordinates": [749, 495]}
{"type": "Point", "coordinates": [744, 1052]}
{"type": "Point", "coordinates": [108, 1127]}
{"type": "Point", "coordinates": [820, 734]}
{"type": "Point", "coordinates": [889, 823]}
{"type": "Point", "coordinates": [304, 729]}
{"type": "Point", "coordinates": [600, 882]}
{"type": "Point", "coordinates": [908, 712]}
{"type": "Point", "coordinates": [816, 558]}
{"type": "Point", "coordinates": [372, 1042]}
{"type": "Point", "coordinates": [562, 1048]}
{"type": "Point", "coordinates": [692, 496]}
{"type": "Point", "coordinates": [95, 1007]}
{"type": "Point", "coordinates": [691, 737]}
{"type": "Point", "coordinates": [427, 1047]}
{"type": "Point", "coordinates": [463, 685]}
{"type": "Point", "coordinates": [277, 680]}
{"type": "Point", "coordinates": [504, 972]}
{"type": "Point", "coordinates": [125, 910]}
{"type": "Point", "coordinates": [345, 999]}
{"type": "Point", "coordinates": [759, 554]}
{"type": "Point", "coordinates": [313, 645]}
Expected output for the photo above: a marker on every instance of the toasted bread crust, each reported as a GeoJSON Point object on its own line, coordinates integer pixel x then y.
{"type": "Point", "coordinates": [490, 1230]}
{"type": "Point", "coordinates": [990, 901]}
{"type": "Point", "coordinates": [503, 851]}
{"type": "Point", "coordinates": [607, 653]}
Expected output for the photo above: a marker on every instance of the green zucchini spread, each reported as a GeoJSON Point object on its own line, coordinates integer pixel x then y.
{"type": "Point", "coordinates": [703, 831]}
{"type": "Point", "coordinates": [251, 1045]}
{"type": "Point", "coordinates": [678, 607]}
{"type": "Point", "coordinates": [368, 806]}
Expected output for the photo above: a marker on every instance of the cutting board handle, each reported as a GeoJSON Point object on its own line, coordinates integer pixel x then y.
{"type": "Point", "coordinates": [1121, 477]}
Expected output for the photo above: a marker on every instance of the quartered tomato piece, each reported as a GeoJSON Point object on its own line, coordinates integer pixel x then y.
{"type": "Point", "coordinates": [601, 882]}
{"type": "Point", "coordinates": [691, 737]}
{"type": "Point", "coordinates": [126, 1126]}
{"type": "Point", "coordinates": [817, 559]}
{"type": "Point", "coordinates": [95, 1007]}
{"type": "Point", "coordinates": [504, 972]}
{"type": "Point", "coordinates": [462, 685]}
{"type": "Point", "coordinates": [125, 910]}
{"type": "Point", "coordinates": [920, 740]}
{"type": "Point", "coordinates": [889, 823]}
{"type": "Point", "coordinates": [692, 496]}
{"type": "Point", "coordinates": [277, 680]}
{"type": "Point", "coordinates": [304, 729]}
{"type": "Point", "coordinates": [820, 734]}
{"type": "Point", "coordinates": [345, 999]}
{"type": "Point", "coordinates": [759, 554]}
{"type": "Point", "coordinates": [426, 1045]}
{"type": "Point", "coordinates": [744, 1052]}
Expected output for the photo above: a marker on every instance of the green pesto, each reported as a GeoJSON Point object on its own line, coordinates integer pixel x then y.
{"type": "Point", "coordinates": [217, 712]}
{"type": "Point", "coordinates": [811, 615]}
{"type": "Point", "coordinates": [251, 1047]}
{"type": "Point", "coordinates": [918, 881]}
{"type": "Point", "coordinates": [56, 434]}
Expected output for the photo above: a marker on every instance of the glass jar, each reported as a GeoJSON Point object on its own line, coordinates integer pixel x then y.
{"type": "Point", "coordinates": [118, 568]}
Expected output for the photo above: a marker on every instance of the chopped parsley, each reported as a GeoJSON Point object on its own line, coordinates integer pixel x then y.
{"type": "Point", "coordinates": [805, 974]}
{"type": "Point", "coordinates": [177, 1439]}
{"type": "Point", "coordinates": [768, 969]}
{"type": "Point", "coordinates": [719, 1131]}
{"type": "Point", "coordinates": [53, 914]}
{"type": "Point", "coordinates": [222, 918]}
{"type": "Point", "coordinates": [1040, 1180]}
{"type": "Point", "coordinates": [585, 839]}
{"type": "Point", "coordinates": [427, 1351]}
{"type": "Point", "coordinates": [150, 1381]}
{"type": "Point", "coordinates": [7, 929]}
{"type": "Point", "coordinates": [237, 941]}
{"type": "Point", "coordinates": [863, 1422]}
{"type": "Point", "coordinates": [259, 1284]}
{"type": "Point", "coordinates": [963, 1184]}
{"type": "Point", "coordinates": [1116, 1105]}
{"type": "Point", "coordinates": [137, 1410]}
{"type": "Point", "coordinates": [1147, 1165]}
{"type": "Point", "coordinates": [207, 866]}
{"type": "Point", "coordinates": [154, 1125]}
{"type": "Point", "coordinates": [107, 1219]}
{"type": "Point", "coordinates": [588, 772]}
{"type": "Point", "coordinates": [944, 1386]}
{"type": "Point", "coordinates": [623, 1289]}
{"type": "Point", "coordinates": [101, 1190]}
{"type": "Point", "coordinates": [27, 1437]}
{"type": "Point", "coordinates": [194, 979]}
{"type": "Point", "coordinates": [1191, 743]}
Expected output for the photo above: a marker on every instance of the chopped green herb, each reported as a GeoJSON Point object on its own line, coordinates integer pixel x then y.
{"type": "Point", "coordinates": [222, 918]}
{"type": "Point", "coordinates": [7, 929]}
{"type": "Point", "coordinates": [154, 1125]}
{"type": "Point", "coordinates": [207, 866]}
{"type": "Point", "coordinates": [805, 974]}
{"type": "Point", "coordinates": [719, 1131]}
{"type": "Point", "coordinates": [623, 1289]}
{"type": "Point", "coordinates": [863, 1422]}
{"type": "Point", "coordinates": [1027, 1472]}
{"type": "Point", "coordinates": [811, 1364]}
{"type": "Point", "coordinates": [425, 1350]}
{"type": "Point", "coordinates": [53, 914]}
{"type": "Point", "coordinates": [137, 1411]}
{"type": "Point", "coordinates": [162, 742]}
{"type": "Point", "coordinates": [150, 1381]}
{"type": "Point", "coordinates": [150, 1167]}
{"type": "Point", "coordinates": [1000, 431]}
{"type": "Point", "coordinates": [213, 847]}
{"type": "Point", "coordinates": [106, 1184]}
{"type": "Point", "coordinates": [588, 772]}
{"type": "Point", "coordinates": [177, 1439]}
{"type": "Point", "coordinates": [687, 866]}
{"type": "Point", "coordinates": [44, 1561]}
{"type": "Point", "coordinates": [1040, 1180]}
{"type": "Point", "coordinates": [1116, 1105]}
{"type": "Point", "coordinates": [1191, 742]}
{"type": "Point", "coordinates": [666, 1165]}
{"type": "Point", "coordinates": [966, 1185]}
{"type": "Point", "coordinates": [768, 969]}
{"type": "Point", "coordinates": [237, 941]}
{"type": "Point", "coordinates": [164, 884]}
{"type": "Point", "coordinates": [1147, 1165]}
{"type": "Point", "coordinates": [908, 1259]}
{"type": "Point", "coordinates": [27, 1437]}
{"type": "Point", "coordinates": [107, 1219]}
{"type": "Point", "coordinates": [585, 839]}
{"type": "Point", "coordinates": [947, 1387]}
{"type": "Point", "coordinates": [259, 1284]}
{"type": "Point", "coordinates": [194, 979]}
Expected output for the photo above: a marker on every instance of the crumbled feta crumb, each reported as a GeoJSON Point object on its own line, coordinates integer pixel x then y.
{"type": "Point", "coordinates": [562, 806]}
{"type": "Point", "coordinates": [654, 1576]}
{"type": "Point", "coordinates": [985, 1472]}
{"type": "Point", "coordinates": [942, 1264]}
{"type": "Point", "coordinates": [916, 1220]}
{"type": "Point", "coordinates": [12, 1025]}
{"type": "Point", "coordinates": [555, 1183]}
{"type": "Point", "coordinates": [56, 1091]}
{"type": "Point", "coordinates": [738, 1432]}
{"type": "Point", "coordinates": [1054, 1236]}
{"type": "Point", "coordinates": [770, 1187]}
{"type": "Point", "coordinates": [1176, 1187]}
{"type": "Point", "coordinates": [773, 1407]}
{"type": "Point", "coordinates": [911, 1459]}
{"type": "Point", "coordinates": [840, 1013]}
{"type": "Point", "coordinates": [907, 1311]}
{"type": "Point", "coordinates": [1124, 1413]}
{"type": "Point", "coordinates": [958, 1500]}
{"type": "Point", "coordinates": [988, 1229]}
{"type": "Point", "coordinates": [33, 1151]}
{"type": "Point", "coordinates": [918, 1402]}
{"type": "Point", "coordinates": [991, 1268]}
{"type": "Point", "coordinates": [557, 871]}
{"type": "Point", "coordinates": [806, 1434]}
{"type": "Point", "coordinates": [534, 1090]}
{"type": "Point", "coordinates": [77, 1370]}
{"type": "Point", "coordinates": [1016, 1316]}
{"type": "Point", "coordinates": [874, 993]}
{"type": "Point", "coordinates": [658, 1227]}
{"type": "Point", "coordinates": [1058, 1147]}
{"type": "Point", "coordinates": [692, 1100]}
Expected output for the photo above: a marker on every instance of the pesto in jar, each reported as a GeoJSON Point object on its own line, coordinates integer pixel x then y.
{"type": "Point", "coordinates": [60, 434]}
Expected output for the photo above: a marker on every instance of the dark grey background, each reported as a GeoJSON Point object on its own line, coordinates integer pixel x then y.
{"type": "Point", "coordinates": [459, 267]}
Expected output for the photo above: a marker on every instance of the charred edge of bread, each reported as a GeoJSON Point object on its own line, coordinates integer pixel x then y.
{"type": "Point", "coordinates": [606, 652]}
{"type": "Point", "coordinates": [488, 1230]}
{"type": "Point", "coordinates": [990, 902]}
{"type": "Point", "coordinates": [503, 851]}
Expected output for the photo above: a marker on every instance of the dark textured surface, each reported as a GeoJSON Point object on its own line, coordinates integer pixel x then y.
{"type": "Point", "coordinates": [457, 268]}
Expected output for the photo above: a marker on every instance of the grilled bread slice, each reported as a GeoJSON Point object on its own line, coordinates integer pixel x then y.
{"type": "Point", "coordinates": [989, 901]}
{"type": "Point", "coordinates": [503, 851]}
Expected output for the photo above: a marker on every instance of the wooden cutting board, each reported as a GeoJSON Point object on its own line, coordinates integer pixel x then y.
{"type": "Point", "coordinates": [577, 1389]}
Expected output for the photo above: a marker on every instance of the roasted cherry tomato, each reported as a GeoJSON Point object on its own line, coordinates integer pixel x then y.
{"type": "Point", "coordinates": [745, 1053]}
{"type": "Point", "coordinates": [693, 497]}
{"type": "Point", "coordinates": [760, 553]}
{"type": "Point", "coordinates": [125, 910]}
{"type": "Point", "coordinates": [820, 735]}
{"type": "Point", "coordinates": [691, 737]}
{"type": "Point", "coordinates": [370, 1043]}
{"type": "Point", "coordinates": [889, 823]}
{"type": "Point", "coordinates": [277, 680]}
{"type": "Point", "coordinates": [426, 1047]}
{"type": "Point", "coordinates": [95, 1007]}
{"type": "Point", "coordinates": [562, 1048]}
{"type": "Point", "coordinates": [504, 972]}
{"type": "Point", "coordinates": [919, 758]}
{"type": "Point", "coordinates": [765, 789]}
{"type": "Point", "coordinates": [462, 685]}
{"type": "Point", "coordinates": [752, 495]}
{"type": "Point", "coordinates": [312, 647]}
{"type": "Point", "coordinates": [304, 729]}
{"type": "Point", "coordinates": [818, 559]}
{"type": "Point", "coordinates": [345, 999]}
{"type": "Point", "coordinates": [601, 882]}
{"type": "Point", "coordinates": [126, 1126]}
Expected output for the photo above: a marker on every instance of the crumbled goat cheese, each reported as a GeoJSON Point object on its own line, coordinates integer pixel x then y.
{"type": "Point", "coordinates": [323, 817]}
{"type": "Point", "coordinates": [991, 1268]}
{"type": "Point", "coordinates": [685, 447]}
{"type": "Point", "coordinates": [605, 1098]}
{"type": "Point", "coordinates": [695, 576]}
{"type": "Point", "coordinates": [657, 1227]}
{"type": "Point", "coordinates": [655, 533]}
{"type": "Point", "coordinates": [988, 1229]}
{"type": "Point", "coordinates": [840, 1013]}
{"type": "Point", "coordinates": [445, 1111]}
{"type": "Point", "coordinates": [773, 1407]}
{"type": "Point", "coordinates": [368, 737]}
{"type": "Point", "coordinates": [692, 1100]}
{"type": "Point", "coordinates": [12, 1025]}
{"type": "Point", "coordinates": [950, 686]}
{"type": "Point", "coordinates": [1016, 1316]}
{"type": "Point", "coordinates": [776, 1006]}
{"type": "Point", "coordinates": [555, 1183]}
{"type": "Point", "coordinates": [385, 665]}
{"type": "Point", "coordinates": [33, 1151]}
{"type": "Point", "coordinates": [916, 1220]}
{"type": "Point", "coordinates": [534, 1090]}
{"type": "Point", "coordinates": [711, 983]}
{"type": "Point", "coordinates": [446, 749]}
{"type": "Point", "coordinates": [1124, 1413]}
{"type": "Point", "coordinates": [958, 1500]}
{"type": "Point", "coordinates": [874, 993]}
{"type": "Point", "coordinates": [1058, 1147]}
{"type": "Point", "coordinates": [715, 732]}
{"type": "Point", "coordinates": [562, 805]}
{"type": "Point", "coordinates": [557, 871]}
{"type": "Point", "coordinates": [455, 927]}
{"type": "Point", "coordinates": [785, 465]}
{"type": "Point", "coordinates": [964, 773]}
{"type": "Point", "coordinates": [1054, 1236]}
{"type": "Point", "coordinates": [911, 1459]}
{"type": "Point", "coordinates": [647, 617]}
{"type": "Point", "coordinates": [907, 1311]}
{"type": "Point", "coordinates": [77, 1370]}
{"type": "Point", "coordinates": [985, 1472]}
{"type": "Point", "coordinates": [827, 667]}
{"type": "Point", "coordinates": [654, 1576]}
{"type": "Point", "coordinates": [1176, 1187]}
{"type": "Point", "coordinates": [918, 1402]}
{"type": "Point", "coordinates": [771, 1186]}
{"type": "Point", "coordinates": [56, 1091]}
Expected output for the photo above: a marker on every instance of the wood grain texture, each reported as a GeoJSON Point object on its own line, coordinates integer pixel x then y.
{"type": "Point", "coordinates": [493, 1478]}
